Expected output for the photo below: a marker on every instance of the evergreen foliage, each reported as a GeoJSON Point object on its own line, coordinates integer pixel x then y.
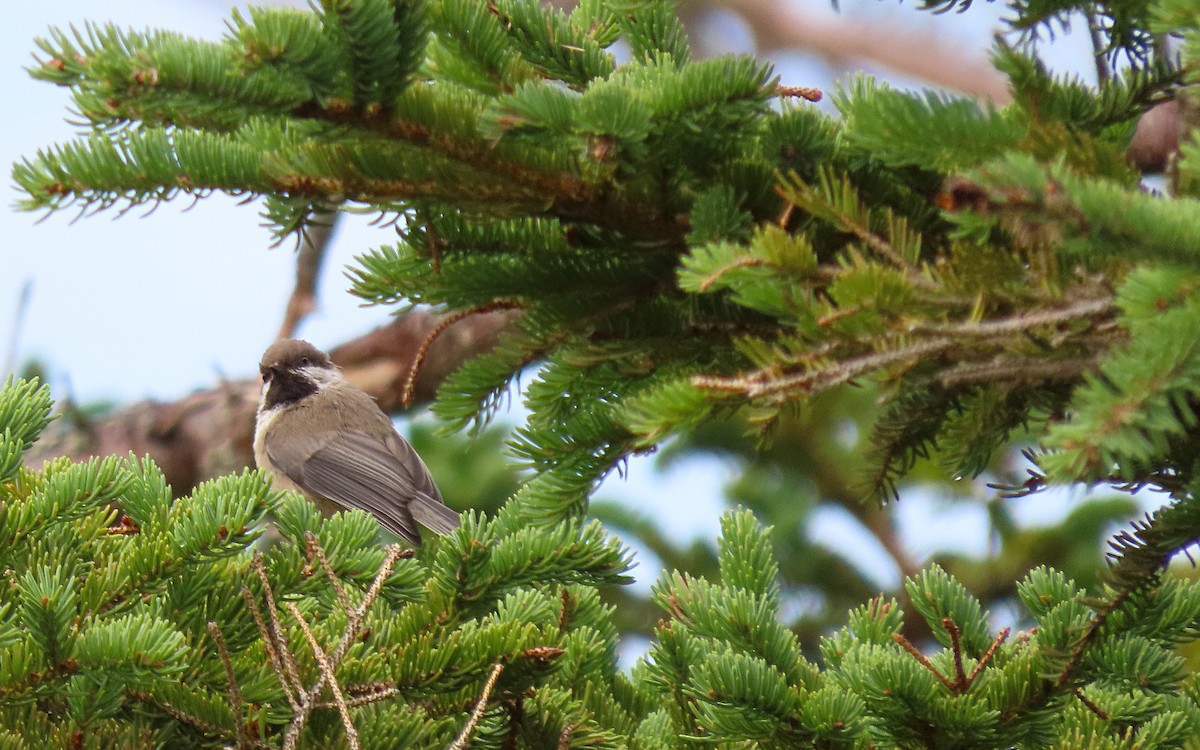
{"type": "Point", "coordinates": [686, 244]}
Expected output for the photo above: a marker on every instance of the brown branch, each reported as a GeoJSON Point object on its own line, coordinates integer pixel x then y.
{"type": "Point", "coordinates": [960, 674]}
{"type": "Point", "coordinates": [210, 432]}
{"type": "Point", "coordinates": [848, 41]}
{"type": "Point", "coordinates": [290, 669]}
{"type": "Point", "coordinates": [236, 704]}
{"type": "Point", "coordinates": [308, 270]}
{"type": "Point", "coordinates": [418, 362]}
{"type": "Point", "coordinates": [1001, 637]}
{"type": "Point", "coordinates": [326, 668]}
{"type": "Point", "coordinates": [1091, 706]}
{"type": "Point", "coordinates": [463, 740]}
{"type": "Point", "coordinates": [768, 383]}
{"type": "Point", "coordinates": [328, 663]}
{"type": "Point", "coordinates": [315, 550]}
{"type": "Point", "coordinates": [810, 93]}
{"type": "Point", "coordinates": [923, 661]}
{"type": "Point", "coordinates": [269, 645]}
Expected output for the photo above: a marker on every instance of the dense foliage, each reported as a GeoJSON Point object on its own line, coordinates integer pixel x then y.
{"type": "Point", "coordinates": [686, 244]}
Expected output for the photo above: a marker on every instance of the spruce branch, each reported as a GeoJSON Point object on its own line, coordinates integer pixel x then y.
{"type": "Point", "coordinates": [314, 549]}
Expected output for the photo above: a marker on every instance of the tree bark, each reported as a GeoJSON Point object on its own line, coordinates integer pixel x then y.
{"type": "Point", "coordinates": [211, 432]}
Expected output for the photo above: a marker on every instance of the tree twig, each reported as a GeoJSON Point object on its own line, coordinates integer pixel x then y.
{"type": "Point", "coordinates": [406, 393]}
{"type": "Point", "coordinates": [330, 679]}
{"type": "Point", "coordinates": [236, 703]}
{"type": "Point", "coordinates": [309, 259]}
{"type": "Point", "coordinates": [463, 741]}
{"type": "Point", "coordinates": [269, 646]}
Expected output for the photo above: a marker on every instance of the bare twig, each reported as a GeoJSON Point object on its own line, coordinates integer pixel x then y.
{"type": "Point", "coordinates": [923, 661]}
{"type": "Point", "coordinates": [326, 668]}
{"type": "Point", "coordinates": [1001, 637]}
{"type": "Point", "coordinates": [314, 548]}
{"type": "Point", "coordinates": [355, 616]}
{"type": "Point", "coordinates": [960, 675]}
{"type": "Point", "coordinates": [361, 695]}
{"type": "Point", "coordinates": [313, 245]}
{"type": "Point", "coordinates": [1088, 308]}
{"type": "Point", "coordinates": [463, 741]}
{"type": "Point", "coordinates": [769, 383]}
{"type": "Point", "coordinates": [236, 703]}
{"type": "Point", "coordinates": [1091, 706]}
{"type": "Point", "coordinates": [285, 653]}
{"type": "Point", "coordinates": [328, 664]}
{"type": "Point", "coordinates": [810, 93]}
{"type": "Point", "coordinates": [269, 645]}
{"type": "Point", "coordinates": [406, 394]}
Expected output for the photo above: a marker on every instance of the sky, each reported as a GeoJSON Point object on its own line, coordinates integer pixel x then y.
{"type": "Point", "coordinates": [159, 305]}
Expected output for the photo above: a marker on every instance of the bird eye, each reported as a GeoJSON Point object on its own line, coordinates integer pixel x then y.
{"type": "Point", "coordinates": [266, 375]}
{"type": "Point", "coordinates": [304, 361]}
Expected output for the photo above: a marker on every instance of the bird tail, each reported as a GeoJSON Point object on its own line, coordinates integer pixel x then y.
{"type": "Point", "coordinates": [433, 515]}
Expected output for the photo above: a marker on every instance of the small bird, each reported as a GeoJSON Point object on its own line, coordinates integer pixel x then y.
{"type": "Point", "coordinates": [318, 434]}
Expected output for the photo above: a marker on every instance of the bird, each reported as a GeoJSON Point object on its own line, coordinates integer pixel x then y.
{"type": "Point", "coordinates": [316, 433]}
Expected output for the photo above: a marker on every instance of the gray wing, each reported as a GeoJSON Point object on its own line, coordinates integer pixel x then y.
{"type": "Point", "coordinates": [356, 470]}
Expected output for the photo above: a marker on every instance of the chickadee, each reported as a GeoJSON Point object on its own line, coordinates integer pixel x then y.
{"type": "Point", "coordinates": [318, 434]}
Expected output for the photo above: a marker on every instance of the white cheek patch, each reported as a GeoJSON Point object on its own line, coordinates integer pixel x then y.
{"type": "Point", "coordinates": [323, 376]}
